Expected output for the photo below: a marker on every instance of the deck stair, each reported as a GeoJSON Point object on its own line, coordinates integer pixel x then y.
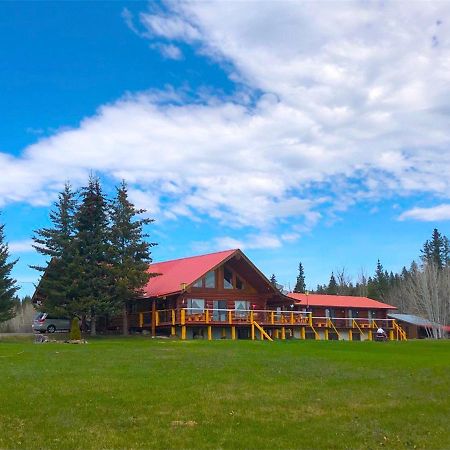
{"type": "Point", "coordinates": [331, 325]}
{"type": "Point", "coordinates": [262, 331]}
{"type": "Point", "coordinates": [355, 325]}
{"type": "Point", "coordinates": [401, 334]}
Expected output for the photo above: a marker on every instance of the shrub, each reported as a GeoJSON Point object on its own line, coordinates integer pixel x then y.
{"type": "Point", "coordinates": [75, 333]}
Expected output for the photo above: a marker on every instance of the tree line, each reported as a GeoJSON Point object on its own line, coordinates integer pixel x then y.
{"type": "Point", "coordinates": [97, 256]}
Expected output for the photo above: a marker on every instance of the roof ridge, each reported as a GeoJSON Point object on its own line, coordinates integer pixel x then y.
{"type": "Point", "coordinates": [195, 256]}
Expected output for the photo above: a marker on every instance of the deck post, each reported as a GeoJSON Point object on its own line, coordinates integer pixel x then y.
{"type": "Point", "coordinates": [209, 333]}
{"type": "Point", "coordinates": [154, 318]}
{"type": "Point", "coordinates": [350, 335]}
{"type": "Point", "coordinates": [172, 331]}
{"type": "Point", "coordinates": [326, 334]}
{"type": "Point", "coordinates": [283, 333]}
{"type": "Point", "coordinates": [207, 316]}
{"type": "Point", "coordinates": [233, 333]}
{"type": "Point", "coordinates": [369, 335]}
{"type": "Point", "coordinates": [277, 333]}
{"type": "Point", "coordinates": [253, 326]}
{"type": "Point", "coordinates": [272, 317]}
{"type": "Point", "coordinates": [292, 318]}
{"type": "Point", "coordinates": [230, 320]}
{"type": "Point", "coordinates": [391, 335]}
{"type": "Point", "coordinates": [183, 326]}
{"type": "Point", "coordinates": [302, 333]}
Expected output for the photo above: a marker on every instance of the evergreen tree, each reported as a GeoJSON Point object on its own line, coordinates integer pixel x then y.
{"type": "Point", "coordinates": [8, 286]}
{"type": "Point", "coordinates": [436, 250]}
{"type": "Point", "coordinates": [332, 288]}
{"type": "Point", "coordinates": [92, 263]}
{"type": "Point", "coordinates": [273, 280]}
{"type": "Point", "coordinates": [300, 286]}
{"type": "Point", "coordinates": [56, 244]}
{"type": "Point", "coordinates": [130, 251]}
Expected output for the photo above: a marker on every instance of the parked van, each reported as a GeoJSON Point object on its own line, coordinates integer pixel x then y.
{"type": "Point", "coordinates": [44, 322]}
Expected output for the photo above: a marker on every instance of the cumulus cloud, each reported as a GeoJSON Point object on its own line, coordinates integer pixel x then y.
{"type": "Point", "coordinates": [432, 214]}
{"type": "Point", "coordinates": [342, 114]}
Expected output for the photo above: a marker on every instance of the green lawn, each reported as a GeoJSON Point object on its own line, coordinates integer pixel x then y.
{"type": "Point", "coordinates": [143, 393]}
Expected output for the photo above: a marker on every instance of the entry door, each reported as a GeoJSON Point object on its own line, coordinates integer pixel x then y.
{"type": "Point", "coordinates": [219, 315]}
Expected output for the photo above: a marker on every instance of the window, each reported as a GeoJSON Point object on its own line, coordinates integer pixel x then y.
{"type": "Point", "coordinates": [241, 308]}
{"type": "Point", "coordinates": [239, 283]}
{"type": "Point", "coordinates": [195, 305]}
{"type": "Point", "coordinates": [210, 279]}
{"type": "Point", "coordinates": [227, 279]}
{"type": "Point", "coordinates": [198, 283]}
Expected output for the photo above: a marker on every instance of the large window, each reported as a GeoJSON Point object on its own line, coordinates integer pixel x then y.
{"type": "Point", "coordinates": [227, 279]}
{"type": "Point", "coordinates": [195, 305]}
{"type": "Point", "coordinates": [241, 308]}
{"type": "Point", "coordinates": [210, 279]}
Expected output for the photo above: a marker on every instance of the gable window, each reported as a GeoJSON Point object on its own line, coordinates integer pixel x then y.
{"type": "Point", "coordinates": [210, 279]}
{"type": "Point", "coordinates": [198, 283]}
{"type": "Point", "coordinates": [195, 305]}
{"type": "Point", "coordinates": [227, 279]}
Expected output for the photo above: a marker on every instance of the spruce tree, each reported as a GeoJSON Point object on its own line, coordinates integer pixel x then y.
{"type": "Point", "coordinates": [92, 263]}
{"type": "Point", "coordinates": [130, 251]}
{"type": "Point", "coordinates": [8, 286]}
{"type": "Point", "coordinates": [300, 286]}
{"type": "Point", "coordinates": [273, 280]}
{"type": "Point", "coordinates": [436, 251]}
{"type": "Point", "coordinates": [332, 288]}
{"type": "Point", "coordinates": [56, 244]}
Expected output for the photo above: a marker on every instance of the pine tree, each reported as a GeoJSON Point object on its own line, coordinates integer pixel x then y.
{"type": "Point", "coordinates": [436, 250]}
{"type": "Point", "coordinates": [300, 286]}
{"type": "Point", "coordinates": [130, 251]}
{"type": "Point", "coordinates": [92, 263]}
{"type": "Point", "coordinates": [332, 288]}
{"type": "Point", "coordinates": [273, 280]}
{"type": "Point", "coordinates": [8, 286]}
{"type": "Point", "coordinates": [56, 243]}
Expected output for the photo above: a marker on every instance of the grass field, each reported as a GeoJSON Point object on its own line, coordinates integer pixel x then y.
{"type": "Point", "coordinates": [141, 393]}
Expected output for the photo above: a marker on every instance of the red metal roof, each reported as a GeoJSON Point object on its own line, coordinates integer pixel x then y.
{"type": "Point", "coordinates": [338, 301]}
{"type": "Point", "coordinates": [184, 270]}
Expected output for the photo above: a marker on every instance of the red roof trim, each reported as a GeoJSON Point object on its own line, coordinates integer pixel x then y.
{"type": "Point", "coordinates": [339, 301]}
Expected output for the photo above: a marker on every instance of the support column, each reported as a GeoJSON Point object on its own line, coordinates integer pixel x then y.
{"type": "Point", "coordinates": [302, 333]}
{"type": "Point", "coordinates": [283, 333]}
{"type": "Point", "coordinates": [277, 333]}
{"type": "Point", "coordinates": [253, 331]}
{"type": "Point", "coordinates": [209, 332]}
{"type": "Point", "coordinates": [350, 335]}
{"type": "Point", "coordinates": [183, 326]}
{"type": "Point", "coordinates": [369, 335]}
{"type": "Point", "coordinates": [172, 331]}
{"type": "Point", "coordinates": [326, 334]}
{"type": "Point", "coordinates": [154, 318]}
{"type": "Point", "coordinates": [233, 333]}
{"type": "Point", "coordinates": [391, 335]}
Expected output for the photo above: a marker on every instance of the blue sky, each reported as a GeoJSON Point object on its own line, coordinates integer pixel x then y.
{"type": "Point", "coordinates": [270, 129]}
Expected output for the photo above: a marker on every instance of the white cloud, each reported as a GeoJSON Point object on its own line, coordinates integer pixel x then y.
{"type": "Point", "coordinates": [432, 214]}
{"type": "Point", "coordinates": [347, 113]}
{"type": "Point", "coordinates": [169, 51]}
{"type": "Point", "coordinates": [23, 246]}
